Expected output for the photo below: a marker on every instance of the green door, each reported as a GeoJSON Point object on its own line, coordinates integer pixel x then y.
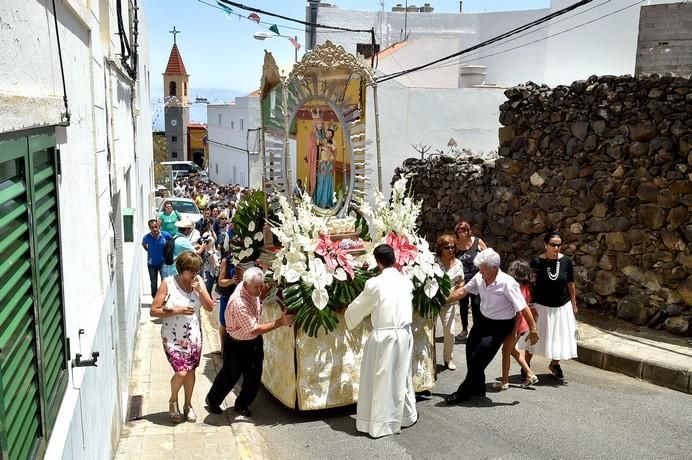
{"type": "Point", "coordinates": [33, 354]}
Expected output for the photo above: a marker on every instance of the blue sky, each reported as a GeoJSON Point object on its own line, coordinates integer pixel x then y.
{"type": "Point", "coordinates": [221, 53]}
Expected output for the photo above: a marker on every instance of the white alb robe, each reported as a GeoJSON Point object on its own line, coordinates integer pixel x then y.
{"type": "Point", "coordinates": [386, 399]}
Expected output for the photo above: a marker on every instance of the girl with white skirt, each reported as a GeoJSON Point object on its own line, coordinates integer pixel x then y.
{"type": "Point", "coordinates": [555, 300]}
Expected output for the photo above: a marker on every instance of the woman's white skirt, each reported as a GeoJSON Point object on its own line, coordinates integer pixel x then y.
{"type": "Point", "coordinates": [557, 333]}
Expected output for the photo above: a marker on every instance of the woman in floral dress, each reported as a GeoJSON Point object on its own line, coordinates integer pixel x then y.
{"type": "Point", "coordinates": [178, 303]}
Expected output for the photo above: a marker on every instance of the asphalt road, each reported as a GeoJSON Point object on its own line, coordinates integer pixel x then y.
{"type": "Point", "coordinates": [594, 414]}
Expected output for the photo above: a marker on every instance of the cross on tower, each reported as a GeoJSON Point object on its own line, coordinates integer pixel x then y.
{"type": "Point", "coordinates": [174, 32]}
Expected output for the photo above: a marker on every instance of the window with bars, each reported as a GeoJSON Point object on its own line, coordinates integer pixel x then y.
{"type": "Point", "coordinates": [33, 347]}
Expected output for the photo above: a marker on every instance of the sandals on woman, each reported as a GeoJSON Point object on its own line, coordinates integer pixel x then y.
{"type": "Point", "coordinates": [501, 386]}
{"type": "Point", "coordinates": [174, 412]}
{"type": "Point", "coordinates": [529, 381]}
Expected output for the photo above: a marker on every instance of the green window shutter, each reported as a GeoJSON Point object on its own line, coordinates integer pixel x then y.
{"type": "Point", "coordinates": [20, 407]}
{"type": "Point", "coordinates": [33, 351]}
{"type": "Point", "coordinates": [53, 350]}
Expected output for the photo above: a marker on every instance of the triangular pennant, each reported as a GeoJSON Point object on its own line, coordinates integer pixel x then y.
{"type": "Point", "coordinates": [224, 7]}
{"type": "Point", "coordinates": [274, 28]}
{"type": "Point", "coordinates": [254, 17]}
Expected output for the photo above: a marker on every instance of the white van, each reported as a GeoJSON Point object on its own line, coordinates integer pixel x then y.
{"type": "Point", "coordinates": [182, 168]}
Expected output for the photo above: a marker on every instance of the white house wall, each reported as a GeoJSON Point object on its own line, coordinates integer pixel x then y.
{"type": "Point", "coordinates": [232, 149]}
{"type": "Point", "coordinates": [604, 40]}
{"type": "Point", "coordinates": [468, 115]}
{"type": "Point", "coordinates": [102, 277]}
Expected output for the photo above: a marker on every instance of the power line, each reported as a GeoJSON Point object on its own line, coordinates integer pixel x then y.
{"type": "Point", "coordinates": [532, 31]}
{"type": "Point", "coordinates": [245, 17]}
{"type": "Point", "coordinates": [297, 21]}
{"type": "Point", "coordinates": [462, 61]}
{"type": "Point", "coordinates": [510, 33]}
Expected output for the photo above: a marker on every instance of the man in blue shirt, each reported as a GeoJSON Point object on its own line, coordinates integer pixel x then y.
{"type": "Point", "coordinates": [153, 243]}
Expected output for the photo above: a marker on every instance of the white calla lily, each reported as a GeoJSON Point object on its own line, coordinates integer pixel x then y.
{"type": "Point", "coordinates": [431, 287]}
{"type": "Point", "coordinates": [247, 242]}
{"type": "Point", "coordinates": [340, 274]}
{"type": "Point", "coordinates": [320, 298]}
{"type": "Point", "coordinates": [259, 236]}
{"type": "Point", "coordinates": [251, 226]}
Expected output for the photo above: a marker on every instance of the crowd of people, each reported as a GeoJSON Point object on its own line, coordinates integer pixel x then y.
{"type": "Point", "coordinates": [528, 310]}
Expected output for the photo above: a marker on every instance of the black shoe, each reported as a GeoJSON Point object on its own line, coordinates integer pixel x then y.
{"type": "Point", "coordinates": [424, 395]}
{"type": "Point", "coordinates": [212, 408]}
{"type": "Point", "coordinates": [244, 411]}
{"type": "Point", "coordinates": [557, 372]}
{"type": "Point", "coordinates": [456, 398]}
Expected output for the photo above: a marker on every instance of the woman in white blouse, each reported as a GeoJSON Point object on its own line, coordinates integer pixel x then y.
{"type": "Point", "coordinates": [446, 250]}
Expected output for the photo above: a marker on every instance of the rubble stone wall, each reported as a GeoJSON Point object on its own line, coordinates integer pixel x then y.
{"type": "Point", "coordinates": [607, 162]}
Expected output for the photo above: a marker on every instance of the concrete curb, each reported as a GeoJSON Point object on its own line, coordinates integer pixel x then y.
{"type": "Point", "coordinates": [250, 443]}
{"type": "Point", "coordinates": [674, 377]}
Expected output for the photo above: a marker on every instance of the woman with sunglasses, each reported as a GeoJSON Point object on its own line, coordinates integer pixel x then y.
{"type": "Point", "coordinates": [468, 246]}
{"type": "Point", "coordinates": [555, 300]}
{"type": "Point", "coordinates": [446, 250]}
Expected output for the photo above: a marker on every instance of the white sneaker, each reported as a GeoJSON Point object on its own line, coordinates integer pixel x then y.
{"type": "Point", "coordinates": [451, 366]}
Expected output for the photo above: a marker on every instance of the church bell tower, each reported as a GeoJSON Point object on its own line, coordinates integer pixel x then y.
{"type": "Point", "coordinates": [176, 105]}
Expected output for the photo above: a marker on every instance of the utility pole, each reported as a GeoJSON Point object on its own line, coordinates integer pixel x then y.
{"type": "Point", "coordinates": [405, 19]}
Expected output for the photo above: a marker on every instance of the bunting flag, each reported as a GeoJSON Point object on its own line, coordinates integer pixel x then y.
{"type": "Point", "coordinates": [226, 9]}
{"type": "Point", "coordinates": [294, 42]}
{"type": "Point", "coordinates": [274, 28]}
{"type": "Point", "coordinates": [254, 17]}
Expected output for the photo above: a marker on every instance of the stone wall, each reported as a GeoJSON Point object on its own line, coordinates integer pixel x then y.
{"type": "Point", "coordinates": [607, 162]}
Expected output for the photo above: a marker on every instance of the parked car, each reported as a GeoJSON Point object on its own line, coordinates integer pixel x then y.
{"type": "Point", "coordinates": [185, 207]}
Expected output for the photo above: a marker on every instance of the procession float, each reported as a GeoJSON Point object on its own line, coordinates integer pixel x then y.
{"type": "Point", "coordinates": [316, 240]}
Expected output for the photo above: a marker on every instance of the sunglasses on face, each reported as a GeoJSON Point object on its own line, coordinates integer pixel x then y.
{"type": "Point", "coordinates": [448, 248]}
{"type": "Point", "coordinates": [555, 245]}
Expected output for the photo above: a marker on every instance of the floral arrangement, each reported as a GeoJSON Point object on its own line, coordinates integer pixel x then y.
{"type": "Point", "coordinates": [248, 221]}
{"type": "Point", "coordinates": [318, 277]}
{"type": "Point", "coordinates": [395, 224]}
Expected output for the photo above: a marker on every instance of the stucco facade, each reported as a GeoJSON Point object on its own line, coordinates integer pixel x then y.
{"type": "Point", "coordinates": [568, 48]}
{"type": "Point", "coordinates": [105, 157]}
{"type": "Point", "coordinates": [233, 141]}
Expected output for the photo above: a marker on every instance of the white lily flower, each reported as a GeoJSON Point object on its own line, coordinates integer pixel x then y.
{"type": "Point", "coordinates": [340, 274]}
{"type": "Point", "coordinates": [292, 272]}
{"type": "Point", "coordinates": [419, 273]}
{"type": "Point", "coordinates": [431, 287]}
{"type": "Point", "coordinates": [320, 298]}
{"type": "Point", "coordinates": [259, 236]}
{"type": "Point", "coordinates": [251, 226]}
{"type": "Point", "coordinates": [247, 242]}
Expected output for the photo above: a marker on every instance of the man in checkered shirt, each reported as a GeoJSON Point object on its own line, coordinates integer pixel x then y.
{"type": "Point", "coordinates": [243, 350]}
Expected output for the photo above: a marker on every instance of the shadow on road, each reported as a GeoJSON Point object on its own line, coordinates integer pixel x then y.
{"type": "Point", "coordinates": [474, 402]}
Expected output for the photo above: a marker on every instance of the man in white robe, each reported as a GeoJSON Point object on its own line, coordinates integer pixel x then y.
{"type": "Point", "coordinates": [386, 400]}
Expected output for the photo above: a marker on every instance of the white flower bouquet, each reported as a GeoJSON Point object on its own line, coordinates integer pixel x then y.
{"type": "Point", "coordinates": [248, 221]}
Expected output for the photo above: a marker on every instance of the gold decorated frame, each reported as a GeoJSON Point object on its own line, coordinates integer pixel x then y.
{"type": "Point", "coordinates": [302, 85]}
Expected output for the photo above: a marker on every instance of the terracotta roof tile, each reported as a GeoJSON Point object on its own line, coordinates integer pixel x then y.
{"type": "Point", "coordinates": [175, 63]}
{"type": "Point", "coordinates": [254, 93]}
{"type": "Point", "coordinates": [392, 49]}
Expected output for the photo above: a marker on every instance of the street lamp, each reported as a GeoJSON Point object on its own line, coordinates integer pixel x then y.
{"type": "Point", "coordinates": [265, 35]}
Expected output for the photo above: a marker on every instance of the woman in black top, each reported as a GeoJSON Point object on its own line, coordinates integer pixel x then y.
{"type": "Point", "coordinates": [555, 299]}
{"type": "Point", "coordinates": [467, 248]}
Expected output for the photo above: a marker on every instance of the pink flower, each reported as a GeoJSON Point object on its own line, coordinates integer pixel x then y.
{"type": "Point", "coordinates": [334, 256]}
{"type": "Point", "coordinates": [404, 251]}
{"type": "Point", "coordinates": [324, 246]}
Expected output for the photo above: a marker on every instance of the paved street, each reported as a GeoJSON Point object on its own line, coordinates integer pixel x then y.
{"type": "Point", "coordinates": [595, 414]}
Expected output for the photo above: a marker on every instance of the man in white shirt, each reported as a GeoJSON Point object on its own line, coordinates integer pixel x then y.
{"type": "Point", "coordinates": [501, 300]}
